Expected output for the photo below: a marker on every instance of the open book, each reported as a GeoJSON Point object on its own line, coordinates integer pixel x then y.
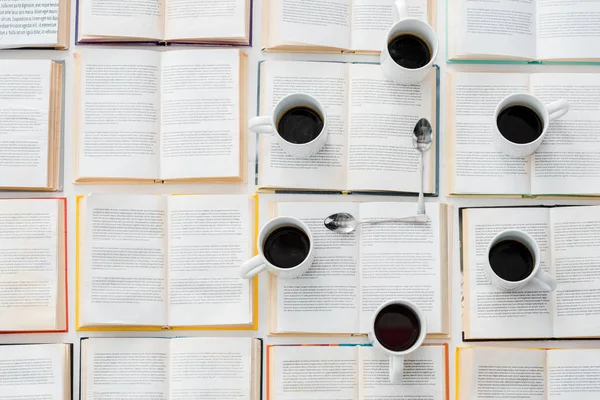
{"type": "Point", "coordinates": [370, 122]}
{"type": "Point", "coordinates": [561, 30]}
{"type": "Point", "coordinates": [171, 368]}
{"type": "Point", "coordinates": [568, 161]}
{"type": "Point", "coordinates": [31, 105]}
{"type": "Point", "coordinates": [36, 371]}
{"type": "Point", "coordinates": [568, 240]}
{"type": "Point", "coordinates": [165, 262]}
{"type": "Point", "coordinates": [33, 265]}
{"type": "Point", "coordinates": [527, 373]}
{"type": "Point", "coordinates": [149, 116]}
{"type": "Point", "coordinates": [354, 372]}
{"type": "Point", "coordinates": [353, 274]}
{"type": "Point", "coordinates": [213, 22]}
{"type": "Point", "coordinates": [35, 24]}
{"type": "Point", "coordinates": [333, 26]}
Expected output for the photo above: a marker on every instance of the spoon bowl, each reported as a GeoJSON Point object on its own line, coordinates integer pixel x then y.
{"type": "Point", "coordinates": [422, 139]}
{"type": "Point", "coordinates": [341, 222]}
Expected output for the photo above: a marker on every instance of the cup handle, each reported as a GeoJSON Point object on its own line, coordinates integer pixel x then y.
{"type": "Point", "coordinates": [396, 369]}
{"type": "Point", "coordinates": [400, 10]}
{"type": "Point", "coordinates": [261, 124]}
{"type": "Point", "coordinates": [545, 281]}
{"type": "Point", "coordinates": [557, 109]}
{"type": "Point", "coordinates": [252, 267]}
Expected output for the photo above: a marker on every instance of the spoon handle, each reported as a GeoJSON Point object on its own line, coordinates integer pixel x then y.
{"type": "Point", "coordinates": [421, 201]}
{"type": "Point", "coordinates": [414, 218]}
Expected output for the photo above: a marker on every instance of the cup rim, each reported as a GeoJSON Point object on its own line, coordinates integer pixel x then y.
{"type": "Point", "coordinates": [434, 51]}
{"type": "Point", "coordinates": [418, 313]}
{"type": "Point", "coordinates": [536, 265]}
{"type": "Point", "coordinates": [545, 116]}
{"type": "Point", "coordinates": [322, 111]}
{"type": "Point", "coordinates": [262, 237]}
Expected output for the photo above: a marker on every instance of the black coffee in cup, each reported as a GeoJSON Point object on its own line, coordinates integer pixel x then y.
{"type": "Point", "coordinates": [409, 51]}
{"type": "Point", "coordinates": [511, 260]}
{"type": "Point", "coordinates": [300, 124]}
{"type": "Point", "coordinates": [286, 247]}
{"type": "Point", "coordinates": [397, 327]}
{"type": "Point", "coordinates": [520, 124]}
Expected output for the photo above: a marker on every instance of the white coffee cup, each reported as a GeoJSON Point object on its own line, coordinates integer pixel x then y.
{"type": "Point", "coordinates": [259, 262]}
{"type": "Point", "coordinates": [397, 357]}
{"type": "Point", "coordinates": [538, 277]}
{"type": "Point", "coordinates": [268, 124]}
{"type": "Point", "coordinates": [403, 25]}
{"type": "Point", "coordinates": [546, 113]}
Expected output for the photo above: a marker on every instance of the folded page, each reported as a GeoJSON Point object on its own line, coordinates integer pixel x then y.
{"type": "Point", "coordinates": [119, 114]}
{"type": "Point", "coordinates": [210, 368]}
{"type": "Point", "coordinates": [313, 372]}
{"type": "Point", "coordinates": [24, 105]}
{"type": "Point", "coordinates": [491, 313]}
{"type": "Point", "coordinates": [328, 83]}
{"type": "Point", "coordinates": [123, 275]}
{"type": "Point", "coordinates": [477, 166]}
{"type": "Point", "coordinates": [209, 238]}
{"type": "Point", "coordinates": [35, 372]}
{"type": "Point", "coordinates": [29, 265]}
{"type": "Point", "coordinates": [400, 261]}
{"type": "Point", "coordinates": [325, 298]}
{"type": "Point", "coordinates": [382, 116]}
{"type": "Point", "coordinates": [200, 124]}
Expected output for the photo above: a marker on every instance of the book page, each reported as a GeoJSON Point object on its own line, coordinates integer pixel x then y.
{"type": "Point", "coordinates": [576, 268]}
{"type": "Point", "coordinates": [124, 368]}
{"type": "Point", "coordinates": [573, 374]}
{"type": "Point", "coordinates": [200, 124]}
{"type": "Point", "coordinates": [372, 19]}
{"type": "Point", "coordinates": [120, 114]}
{"type": "Point", "coordinates": [382, 116]}
{"type": "Point", "coordinates": [29, 265]}
{"type": "Point", "coordinates": [205, 19]}
{"type": "Point", "coordinates": [568, 161]}
{"type": "Point", "coordinates": [495, 314]}
{"type": "Point", "coordinates": [132, 19]}
{"type": "Point", "coordinates": [28, 23]}
{"type": "Point", "coordinates": [209, 238]}
{"type": "Point", "coordinates": [423, 378]}
{"type": "Point", "coordinates": [210, 368]}
{"type": "Point", "coordinates": [568, 29]}
{"type": "Point", "coordinates": [400, 260]}
{"type": "Point", "coordinates": [24, 106]}
{"type": "Point", "coordinates": [479, 168]}
{"type": "Point", "coordinates": [328, 83]}
{"type": "Point", "coordinates": [324, 23]}
{"type": "Point", "coordinates": [123, 275]}
{"type": "Point", "coordinates": [34, 372]}
{"type": "Point", "coordinates": [313, 372]}
{"type": "Point", "coordinates": [325, 298]}
{"type": "Point", "coordinates": [509, 374]}
{"type": "Point", "coordinates": [495, 29]}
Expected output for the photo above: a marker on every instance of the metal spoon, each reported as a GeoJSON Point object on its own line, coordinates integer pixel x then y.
{"type": "Point", "coordinates": [422, 138]}
{"type": "Point", "coordinates": [346, 223]}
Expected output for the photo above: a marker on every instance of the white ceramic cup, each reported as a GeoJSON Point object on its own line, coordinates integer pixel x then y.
{"type": "Point", "coordinates": [538, 277]}
{"type": "Point", "coordinates": [397, 357]}
{"type": "Point", "coordinates": [403, 24]}
{"type": "Point", "coordinates": [268, 124]}
{"type": "Point", "coordinates": [259, 263]}
{"type": "Point", "coordinates": [546, 113]}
